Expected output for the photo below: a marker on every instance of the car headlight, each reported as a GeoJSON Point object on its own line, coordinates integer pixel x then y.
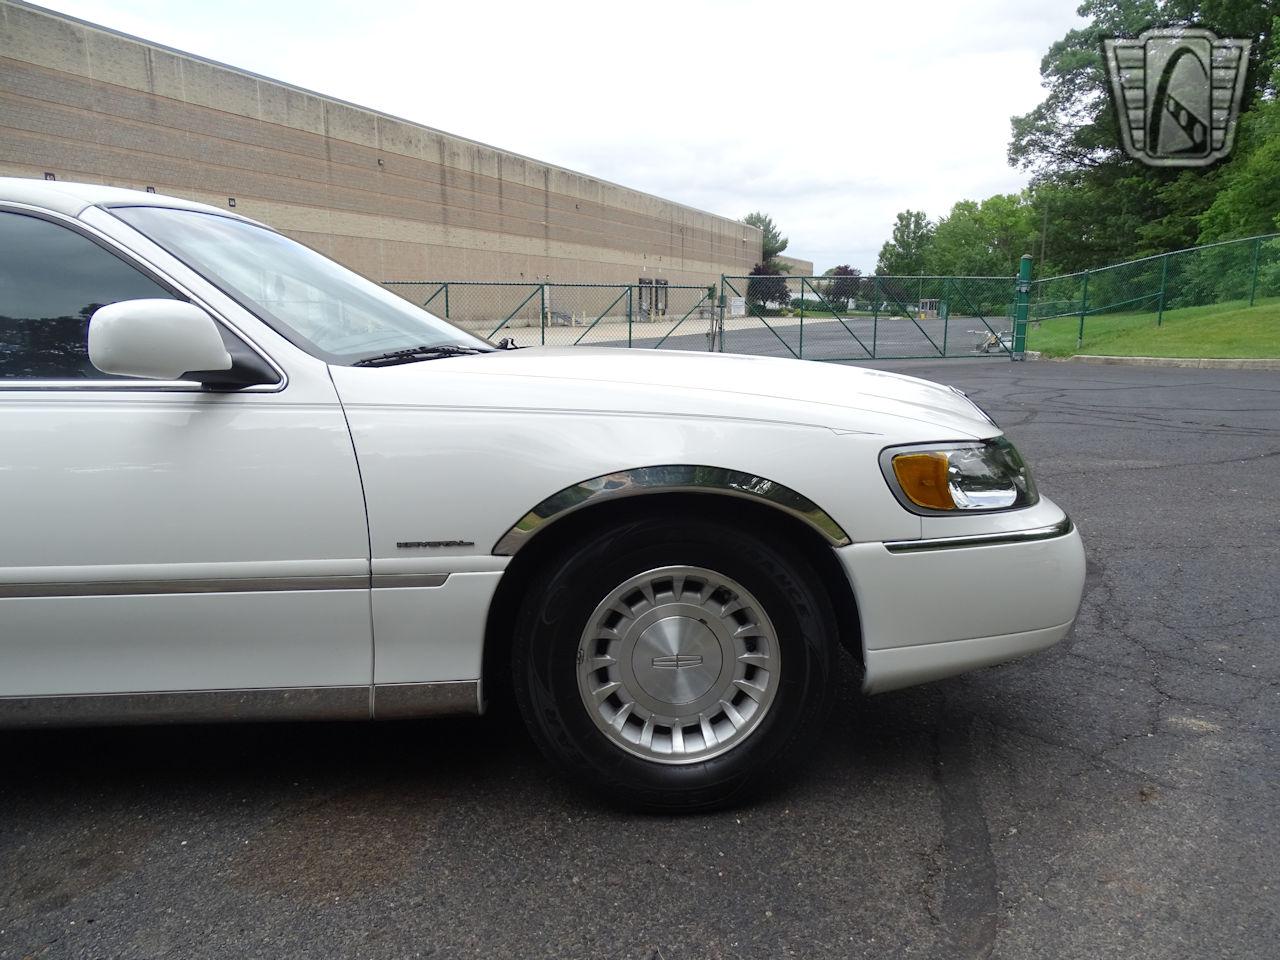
{"type": "Point", "coordinates": [937, 478]}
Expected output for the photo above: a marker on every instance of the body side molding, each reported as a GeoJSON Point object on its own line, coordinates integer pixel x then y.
{"type": "Point", "coordinates": [186, 706]}
{"type": "Point", "coordinates": [449, 698]}
{"type": "Point", "coordinates": [392, 701]}
{"type": "Point", "coordinates": [671, 478]}
{"type": "Point", "coordinates": [132, 588]}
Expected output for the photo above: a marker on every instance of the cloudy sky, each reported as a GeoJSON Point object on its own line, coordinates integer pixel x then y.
{"type": "Point", "coordinates": [831, 117]}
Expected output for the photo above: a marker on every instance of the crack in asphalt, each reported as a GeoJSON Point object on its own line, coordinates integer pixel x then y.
{"type": "Point", "coordinates": [970, 899]}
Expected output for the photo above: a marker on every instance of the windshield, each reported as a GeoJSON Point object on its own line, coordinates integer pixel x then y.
{"type": "Point", "coordinates": [324, 308]}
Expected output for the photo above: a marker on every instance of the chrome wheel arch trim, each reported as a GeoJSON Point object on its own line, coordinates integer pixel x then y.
{"type": "Point", "coordinates": [670, 478]}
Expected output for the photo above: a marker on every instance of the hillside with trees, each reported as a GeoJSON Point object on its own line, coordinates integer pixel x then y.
{"type": "Point", "coordinates": [1089, 203]}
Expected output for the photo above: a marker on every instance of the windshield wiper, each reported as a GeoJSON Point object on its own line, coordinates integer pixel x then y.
{"type": "Point", "coordinates": [414, 354]}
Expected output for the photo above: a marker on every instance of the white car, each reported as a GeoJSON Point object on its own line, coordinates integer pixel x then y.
{"type": "Point", "coordinates": [241, 482]}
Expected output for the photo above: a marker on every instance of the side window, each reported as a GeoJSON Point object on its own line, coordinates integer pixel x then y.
{"type": "Point", "coordinates": [52, 279]}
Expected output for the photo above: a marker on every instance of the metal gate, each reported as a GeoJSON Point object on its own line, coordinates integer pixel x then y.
{"type": "Point", "coordinates": [869, 318]}
{"type": "Point", "coordinates": [810, 318]}
{"type": "Point", "coordinates": [571, 314]}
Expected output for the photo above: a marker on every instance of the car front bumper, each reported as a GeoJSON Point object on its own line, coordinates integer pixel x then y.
{"type": "Point", "coordinates": [936, 607]}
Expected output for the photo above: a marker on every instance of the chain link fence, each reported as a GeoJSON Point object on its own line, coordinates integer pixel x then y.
{"type": "Point", "coordinates": [855, 317]}
{"type": "Point", "coordinates": [866, 318]}
{"type": "Point", "coordinates": [572, 314]}
{"type": "Point", "coordinates": [1139, 293]}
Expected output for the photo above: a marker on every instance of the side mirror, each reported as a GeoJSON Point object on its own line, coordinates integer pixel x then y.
{"type": "Point", "coordinates": [155, 339]}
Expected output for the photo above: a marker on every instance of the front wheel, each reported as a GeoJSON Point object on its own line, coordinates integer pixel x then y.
{"type": "Point", "coordinates": [675, 664]}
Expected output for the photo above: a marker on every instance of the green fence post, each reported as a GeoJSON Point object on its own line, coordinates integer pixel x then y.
{"type": "Point", "coordinates": [542, 310]}
{"type": "Point", "coordinates": [630, 295]}
{"type": "Point", "coordinates": [1253, 284]}
{"type": "Point", "coordinates": [723, 308]}
{"type": "Point", "coordinates": [946, 283]}
{"type": "Point", "coordinates": [1164, 276]}
{"type": "Point", "coordinates": [875, 316]}
{"type": "Point", "coordinates": [1084, 308]}
{"type": "Point", "coordinates": [1021, 304]}
{"type": "Point", "coordinates": [446, 301]}
{"type": "Point", "coordinates": [802, 286]}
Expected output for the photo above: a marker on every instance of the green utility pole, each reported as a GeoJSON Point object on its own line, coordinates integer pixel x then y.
{"type": "Point", "coordinates": [1022, 303]}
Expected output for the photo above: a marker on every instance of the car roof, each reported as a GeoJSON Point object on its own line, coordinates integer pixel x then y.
{"type": "Point", "coordinates": [72, 198]}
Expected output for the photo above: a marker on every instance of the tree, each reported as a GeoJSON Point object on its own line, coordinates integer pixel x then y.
{"type": "Point", "coordinates": [843, 286]}
{"type": "Point", "coordinates": [983, 239]}
{"type": "Point", "coordinates": [767, 286]}
{"type": "Point", "coordinates": [773, 242]}
{"type": "Point", "coordinates": [906, 252]}
{"type": "Point", "coordinates": [1089, 203]}
{"type": "Point", "coordinates": [1093, 217]}
{"type": "Point", "coordinates": [1248, 199]}
{"type": "Point", "coordinates": [1075, 126]}
{"type": "Point", "coordinates": [1103, 205]}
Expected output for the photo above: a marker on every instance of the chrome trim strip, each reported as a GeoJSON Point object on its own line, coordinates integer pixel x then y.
{"type": "Point", "coordinates": [124, 588]}
{"type": "Point", "coordinates": [130, 588]}
{"type": "Point", "coordinates": [1059, 529]}
{"type": "Point", "coordinates": [187, 706]}
{"type": "Point", "coordinates": [88, 383]}
{"type": "Point", "coordinates": [392, 701]}
{"type": "Point", "coordinates": [384, 580]}
{"type": "Point", "coordinates": [671, 478]}
{"type": "Point", "coordinates": [447, 563]}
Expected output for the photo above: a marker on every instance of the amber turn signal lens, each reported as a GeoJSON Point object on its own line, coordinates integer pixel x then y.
{"type": "Point", "coordinates": [923, 478]}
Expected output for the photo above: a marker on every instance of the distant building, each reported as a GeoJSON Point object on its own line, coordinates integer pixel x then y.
{"type": "Point", "coordinates": [796, 267]}
{"type": "Point", "coordinates": [389, 198]}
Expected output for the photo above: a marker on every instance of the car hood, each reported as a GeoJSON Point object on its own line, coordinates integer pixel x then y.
{"type": "Point", "coordinates": [603, 379]}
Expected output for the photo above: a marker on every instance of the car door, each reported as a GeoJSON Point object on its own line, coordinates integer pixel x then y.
{"type": "Point", "coordinates": [159, 537]}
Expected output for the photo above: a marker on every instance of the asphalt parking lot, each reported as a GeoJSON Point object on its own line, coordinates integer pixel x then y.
{"type": "Point", "coordinates": [1113, 797]}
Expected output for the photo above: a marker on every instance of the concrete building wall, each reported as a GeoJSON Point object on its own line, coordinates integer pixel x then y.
{"type": "Point", "coordinates": [389, 198]}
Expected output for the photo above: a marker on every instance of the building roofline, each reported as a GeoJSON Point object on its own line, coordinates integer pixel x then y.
{"type": "Point", "coordinates": [355, 106]}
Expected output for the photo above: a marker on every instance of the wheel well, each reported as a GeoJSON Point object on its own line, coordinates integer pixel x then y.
{"type": "Point", "coordinates": [549, 543]}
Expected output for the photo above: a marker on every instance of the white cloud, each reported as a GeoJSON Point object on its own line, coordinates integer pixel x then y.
{"type": "Point", "coordinates": [829, 116]}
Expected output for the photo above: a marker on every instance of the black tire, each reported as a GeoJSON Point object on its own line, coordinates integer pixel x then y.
{"type": "Point", "coordinates": [562, 598]}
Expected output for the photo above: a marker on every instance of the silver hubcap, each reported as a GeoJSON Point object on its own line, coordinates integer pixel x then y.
{"type": "Point", "coordinates": [678, 664]}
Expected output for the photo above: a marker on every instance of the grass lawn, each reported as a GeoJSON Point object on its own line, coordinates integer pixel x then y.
{"type": "Point", "coordinates": [1228, 330]}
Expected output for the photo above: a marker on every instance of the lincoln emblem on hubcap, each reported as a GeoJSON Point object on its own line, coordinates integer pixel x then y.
{"type": "Point", "coordinates": [676, 662]}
